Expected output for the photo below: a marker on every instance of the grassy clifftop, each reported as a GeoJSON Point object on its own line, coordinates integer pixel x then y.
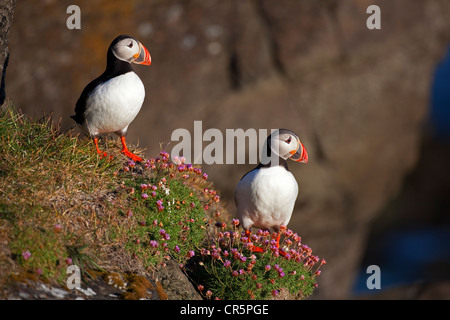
{"type": "Point", "coordinates": [60, 204]}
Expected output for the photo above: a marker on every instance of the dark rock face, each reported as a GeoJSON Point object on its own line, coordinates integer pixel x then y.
{"type": "Point", "coordinates": [6, 17]}
{"type": "Point", "coordinates": [175, 283]}
{"type": "Point", "coordinates": [356, 97]}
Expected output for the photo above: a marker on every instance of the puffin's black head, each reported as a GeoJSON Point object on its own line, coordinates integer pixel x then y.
{"type": "Point", "coordinates": [127, 48]}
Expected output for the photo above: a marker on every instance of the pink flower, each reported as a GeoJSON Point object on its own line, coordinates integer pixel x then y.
{"type": "Point", "coordinates": [176, 160]}
{"type": "Point", "coordinates": [57, 228]}
{"type": "Point", "coordinates": [26, 255]}
{"type": "Point", "coordinates": [144, 196]}
{"type": "Point", "coordinates": [153, 244]}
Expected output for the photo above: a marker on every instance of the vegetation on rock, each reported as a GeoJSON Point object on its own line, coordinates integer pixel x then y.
{"type": "Point", "coordinates": [60, 204]}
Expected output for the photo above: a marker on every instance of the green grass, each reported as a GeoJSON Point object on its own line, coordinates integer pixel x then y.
{"type": "Point", "coordinates": [42, 172]}
{"type": "Point", "coordinates": [60, 204]}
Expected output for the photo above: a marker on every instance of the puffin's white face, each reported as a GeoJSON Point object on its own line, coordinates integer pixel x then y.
{"type": "Point", "coordinates": [130, 50]}
{"type": "Point", "coordinates": [287, 145]}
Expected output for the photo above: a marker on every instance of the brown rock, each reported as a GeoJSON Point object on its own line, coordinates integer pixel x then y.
{"type": "Point", "coordinates": [174, 283]}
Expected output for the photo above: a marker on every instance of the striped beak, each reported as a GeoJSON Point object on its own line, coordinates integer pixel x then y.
{"type": "Point", "coordinates": [299, 155]}
{"type": "Point", "coordinates": [143, 57]}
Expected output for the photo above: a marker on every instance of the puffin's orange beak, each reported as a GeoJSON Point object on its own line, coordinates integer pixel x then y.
{"type": "Point", "coordinates": [143, 57]}
{"type": "Point", "coordinates": [299, 155]}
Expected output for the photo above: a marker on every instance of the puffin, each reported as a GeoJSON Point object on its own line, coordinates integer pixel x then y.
{"type": "Point", "coordinates": [109, 103]}
{"type": "Point", "coordinates": [265, 196]}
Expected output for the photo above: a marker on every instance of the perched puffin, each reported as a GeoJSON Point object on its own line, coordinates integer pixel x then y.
{"type": "Point", "coordinates": [265, 196]}
{"type": "Point", "coordinates": [111, 102]}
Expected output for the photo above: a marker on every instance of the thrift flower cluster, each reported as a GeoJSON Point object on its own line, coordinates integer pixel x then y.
{"type": "Point", "coordinates": [229, 262]}
{"type": "Point", "coordinates": [176, 206]}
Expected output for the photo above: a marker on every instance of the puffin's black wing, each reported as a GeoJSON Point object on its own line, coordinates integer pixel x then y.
{"type": "Point", "coordinates": [80, 107]}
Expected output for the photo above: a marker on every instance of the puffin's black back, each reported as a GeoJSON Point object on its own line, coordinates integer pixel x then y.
{"type": "Point", "coordinates": [114, 67]}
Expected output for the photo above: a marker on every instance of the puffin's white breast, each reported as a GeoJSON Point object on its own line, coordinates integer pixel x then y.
{"type": "Point", "coordinates": [114, 104]}
{"type": "Point", "coordinates": [266, 197]}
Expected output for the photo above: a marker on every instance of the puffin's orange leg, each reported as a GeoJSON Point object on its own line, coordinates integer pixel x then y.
{"type": "Point", "coordinates": [248, 233]}
{"type": "Point", "coordinates": [281, 252]}
{"type": "Point", "coordinates": [278, 240]}
{"type": "Point", "coordinates": [126, 152]}
{"type": "Point", "coordinates": [101, 153]}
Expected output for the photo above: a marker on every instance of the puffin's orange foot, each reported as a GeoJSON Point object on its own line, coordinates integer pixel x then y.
{"type": "Point", "coordinates": [103, 155]}
{"type": "Point", "coordinates": [132, 156]}
{"type": "Point", "coordinates": [248, 233]}
{"type": "Point", "coordinates": [257, 249]}
{"type": "Point", "coordinates": [126, 152]}
{"type": "Point", "coordinates": [282, 252]}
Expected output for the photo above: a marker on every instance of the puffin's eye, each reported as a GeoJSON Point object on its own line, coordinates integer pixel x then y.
{"type": "Point", "coordinates": [288, 140]}
{"type": "Point", "coordinates": [130, 45]}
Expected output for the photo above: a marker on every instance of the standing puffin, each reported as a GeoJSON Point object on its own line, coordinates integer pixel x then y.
{"type": "Point", "coordinates": [111, 102]}
{"type": "Point", "coordinates": [265, 196]}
